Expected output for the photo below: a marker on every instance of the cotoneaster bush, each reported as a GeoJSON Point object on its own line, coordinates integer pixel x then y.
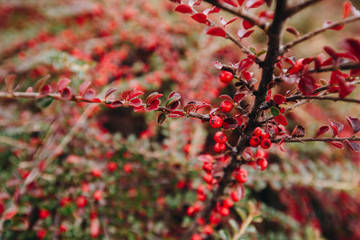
{"type": "Point", "coordinates": [179, 120]}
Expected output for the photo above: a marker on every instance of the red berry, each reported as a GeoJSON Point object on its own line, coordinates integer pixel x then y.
{"type": "Point", "coordinates": [226, 77]}
{"type": "Point", "coordinates": [254, 141]}
{"type": "Point", "coordinates": [241, 175]}
{"type": "Point", "coordinates": [226, 106]}
{"type": "Point", "coordinates": [201, 197]}
{"type": "Point", "coordinates": [265, 135]}
{"type": "Point", "coordinates": [208, 178]}
{"type": "Point", "coordinates": [258, 132]}
{"type": "Point", "coordinates": [96, 172]}
{"type": "Point", "coordinates": [219, 147]}
{"type": "Point", "coordinates": [111, 166]}
{"type": "Point", "coordinates": [224, 211]}
{"type": "Point", "coordinates": [81, 201]}
{"type": "Point", "coordinates": [207, 167]}
{"type": "Point", "coordinates": [262, 163]}
{"type": "Point", "coordinates": [260, 154]}
{"type": "Point", "coordinates": [190, 211]}
{"type": "Point", "coordinates": [234, 196]}
{"type": "Point", "coordinates": [41, 233]}
{"type": "Point", "coordinates": [220, 137]}
{"type": "Point", "coordinates": [63, 227]}
{"type": "Point", "coordinates": [208, 229]}
{"type": "Point", "coordinates": [215, 218]}
{"type": "Point", "coordinates": [64, 201]}
{"type": "Point", "coordinates": [216, 121]}
{"type": "Point", "coordinates": [265, 143]}
{"type": "Point", "coordinates": [127, 168]}
{"type": "Point", "coordinates": [98, 195]}
{"type": "Point", "coordinates": [44, 213]}
{"type": "Point", "coordinates": [228, 203]}
{"type": "Point", "coordinates": [196, 236]}
{"type": "Point", "coordinates": [201, 189]}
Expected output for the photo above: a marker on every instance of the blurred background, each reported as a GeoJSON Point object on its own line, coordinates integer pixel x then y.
{"type": "Point", "coordinates": [115, 174]}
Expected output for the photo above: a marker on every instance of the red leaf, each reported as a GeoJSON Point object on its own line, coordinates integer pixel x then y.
{"type": "Point", "coordinates": [205, 158]}
{"type": "Point", "coordinates": [135, 102]}
{"type": "Point", "coordinates": [242, 33]}
{"type": "Point", "coordinates": [281, 120]}
{"type": "Point", "coordinates": [332, 53]}
{"type": "Point", "coordinates": [247, 24]}
{"type": "Point", "coordinates": [307, 85]}
{"type": "Point", "coordinates": [347, 9]}
{"type": "Point", "coordinates": [230, 21]}
{"type": "Point", "coordinates": [152, 97]}
{"type": "Point", "coordinates": [216, 31]}
{"type": "Point", "coordinates": [352, 46]}
{"type": "Point", "coordinates": [62, 83]}
{"type": "Point", "coordinates": [354, 146]}
{"type": "Point", "coordinates": [134, 94]}
{"type": "Point", "coordinates": [336, 127]}
{"type": "Point", "coordinates": [200, 17]}
{"type": "Point", "coordinates": [230, 123]}
{"type": "Point", "coordinates": [96, 100]}
{"type": "Point", "coordinates": [298, 131]}
{"type": "Point", "coordinates": [279, 99]}
{"type": "Point", "coordinates": [10, 213]}
{"type": "Point", "coordinates": [153, 105]}
{"type": "Point", "coordinates": [45, 90]}
{"type": "Point", "coordinates": [116, 103]}
{"type": "Point", "coordinates": [321, 131]}
{"type": "Point", "coordinates": [293, 31]}
{"type": "Point", "coordinates": [183, 8]}
{"type": "Point", "coordinates": [211, 10]}
{"type": "Point", "coordinates": [161, 118]}
{"type": "Point", "coordinates": [245, 64]}
{"type": "Point", "coordinates": [337, 27]}
{"type": "Point", "coordinates": [254, 4]}
{"type": "Point", "coordinates": [94, 227]}
{"type": "Point", "coordinates": [89, 94]}
{"type": "Point", "coordinates": [241, 2]}
{"type": "Point", "coordinates": [231, 2]}
{"type": "Point", "coordinates": [268, 2]}
{"type": "Point", "coordinates": [83, 87]}
{"type": "Point", "coordinates": [354, 123]}
{"type": "Point", "coordinates": [337, 144]}
{"type": "Point", "coordinates": [109, 92]}
{"type": "Point", "coordinates": [226, 97]}
{"type": "Point", "coordinates": [238, 97]}
{"type": "Point", "coordinates": [66, 93]}
{"type": "Point", "coordinates": [176, 114]}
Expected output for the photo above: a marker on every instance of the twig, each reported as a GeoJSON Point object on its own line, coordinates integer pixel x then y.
{"type": "Point", "coordinates": [300, 6]}
{"type": "Point", "coordinates": [329, 139]}
{"type": "Point", "coordinates": [345, 66]}
{"type": "Point", "coordinates": [309, 35]}
{"type": "Point", "coordinates": [296, 97]}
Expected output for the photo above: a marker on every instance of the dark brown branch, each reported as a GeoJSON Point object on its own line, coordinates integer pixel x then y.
{"type": "Point", "coordinates": [240, 13]}
{"type": "Point", "coordinates": [330, 139]}
{"type": "Point", "coordinates": [300, 6]}
{"type": "Point", "coordinates": [345, 66]}
{"type": "Point", "coordinates": [298, 97]}
{"type": "Point", "coordinates": [309, 35]}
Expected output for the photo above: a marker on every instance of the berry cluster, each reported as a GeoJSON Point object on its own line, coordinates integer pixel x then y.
{"type": "Point", "coordinates": [261, 138]}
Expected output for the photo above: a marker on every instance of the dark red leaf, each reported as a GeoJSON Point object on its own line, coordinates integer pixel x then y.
{"type": "Point", "coordinates": [354, 146]}
{"type": "Point", "coordinates": [117, 103]}
{"type": "Point", "coordinates": [83, 87]}
{"type": "Point", "coordinates": [153, 105]}
{"type": "Point", "coordinates": [41, 82]}
{"type": "Point", "coordinates": [226, 97]}
{"type": "Point", "coordinates": [331, 52]}
{"type": "Point", "coordinates": [216, 31]}
{"type": "Point", "coordinates": [307, 85]}
{"type": "Point", "coordinates": [66, 93]}
{"type": "Point", "coordinates": [351, 46]}
{"type": "Point", "coordinates": [238, 97]}
{"type": "Point", "coordinates": [354, 123]}
{"type": "Point", "coordinates": [134, 94]}
{"type": "Point", "coordinates": [161, 118]}
{"type": "Point", "coordinates": [173, 97]}
{"type": "Point", "coordinates": [89, 94]}
{"type": "Point", "coordinates": [45, 90]}
{"type": "Point", "coordinates": [62, 83]}
{"type": "Point", "coordinates": [321, 131]}
{"type": "Point", "coordinates": [174, 105]}
{"type": "Point", "coordinates": [200, 17]}
{"type": "Point", "coordinates": [337, 144]}
{"type": "Point", "coordinates": [109, 92]}
{"type": "Point", "coordinates": [293, 31]}
{"type": "Point", "coordinates": [176, 114]}
{"type": "Point", "coordinates": [184, 8]}
{"type": "Point", "coordinates": [268, 2]}
{"type": "Point", "coordinates": [336, 127]}
{"type": "Point", "coordinates": [135, 102]}
{"type": "Point", "coordinates": [279, 99]}
{"type": "Point", "coordinates": [190, 106]}
{"type": "Point", "coordinates": [230, 123]}
{"type": "Point", "coordinates": [281, 120]}
{"type": "Point", "coordinates": [298, 131]}
{"type": "Point", "coordinates": [140, 108]}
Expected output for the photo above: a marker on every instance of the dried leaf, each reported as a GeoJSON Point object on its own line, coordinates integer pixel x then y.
{"type": "Point", "coordinates": [10, 82]}
{"type": "Point", "coordinates": [354, 123]}
{"type": "Point", "coordinates": [298, 131]}
{"type": "Point", "coordinates": [41, 82]}
{"type": "Point", "coordinates": [354, 146]}
{"type": "Point", "coordinates": [336, 127]}
{"type": "Point", "coordinates": [293, 31]}
{"type": "Point", "coordinates": [161, 118]}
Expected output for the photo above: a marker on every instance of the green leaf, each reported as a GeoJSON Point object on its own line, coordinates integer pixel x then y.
{"type": "Point", "coordinates": [261, 52]}
{"type": "Point", "coordinates": [44, 102]}
{"type": "Point", "coordinates": [253, 50]}
{"type": "Point", "coordinates": [275, 111]}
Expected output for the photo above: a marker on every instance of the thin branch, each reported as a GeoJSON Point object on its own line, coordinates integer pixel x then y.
{"type": "Point", "coordinates": [329, 139]}
{"type": "Point", "coordinates": [297, 97]}
{"type": "Point", "coordinates": [309, 35]}
{"type": "Point", "coordinates": [345, 66]}
{"type": "Point", "coordinates": [240, 13]}
{"type": "Point", "coordinates": [300, 6]}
